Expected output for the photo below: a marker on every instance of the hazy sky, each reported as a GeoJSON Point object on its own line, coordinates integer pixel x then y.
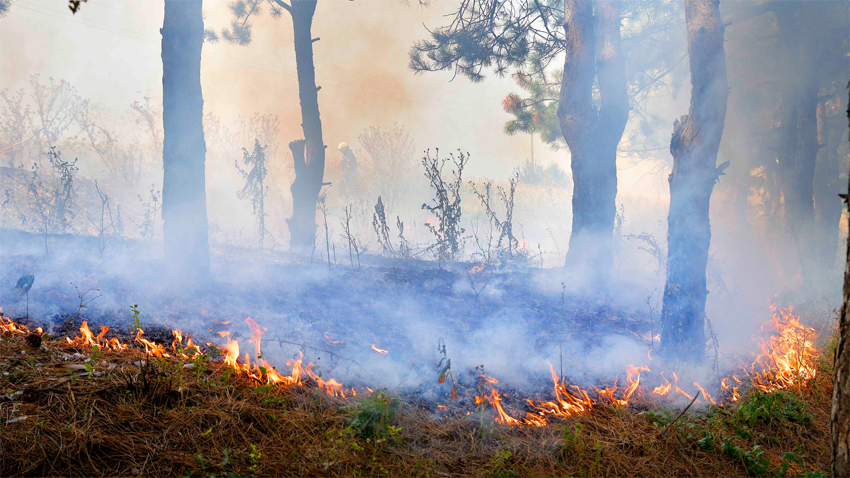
{"type": "Point", "coordinates": [110, 50]}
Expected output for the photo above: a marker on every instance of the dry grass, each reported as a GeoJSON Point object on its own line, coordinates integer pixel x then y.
{"type": "Point", "coordinates": [166, 420]}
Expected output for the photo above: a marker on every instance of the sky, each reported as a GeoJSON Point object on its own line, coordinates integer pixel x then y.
{"type": "Point", "coordinates": [110, 51]}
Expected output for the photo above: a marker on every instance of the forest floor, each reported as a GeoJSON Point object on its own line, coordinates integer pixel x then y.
{"type": "Point", "coordinates": [67, 410]}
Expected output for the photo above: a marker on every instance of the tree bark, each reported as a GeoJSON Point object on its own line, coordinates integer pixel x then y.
{"type": "Point", "coordinates": [184, 203]}
{"type": "Point", "coordinates": [840, 425]}
{"type": "Point", "coordinates": [308, 176]}
{"type": "Point", "coordinates": [593, 49]}
{"type": "Point", "coordinates": [694, 146]}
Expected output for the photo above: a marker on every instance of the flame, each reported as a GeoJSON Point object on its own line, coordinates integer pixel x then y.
{"type": "Point", "coordinates": [380, 351]}
{"type": "Point", "coordinates": [664, 389]}
{"type": "Point", "coordinates": [10, 326]}
{"type": "Point", "coordinates": [495, 400]}
{"type": "Point", "coordinates": [731, 391]}
{"type": "Point", "coordinates": [565, 403]}
{"type": "Point", "coordinates": [705, 394]}
{"type": "Point", "coordinates": [333, 341]}
{"type": "Point", "coordinates": [788, 357]}
{"type": "Point", "coordinates": [88, 339]}
{"type": "Point", "coordinates": [479, 268]}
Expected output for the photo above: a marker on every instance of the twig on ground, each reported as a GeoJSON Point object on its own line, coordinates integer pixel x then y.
{"type": "Point", "coordinates": [679, 415]}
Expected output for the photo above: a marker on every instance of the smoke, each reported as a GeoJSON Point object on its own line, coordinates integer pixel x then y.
{"type": "Point", "coordinates": [513, 323]}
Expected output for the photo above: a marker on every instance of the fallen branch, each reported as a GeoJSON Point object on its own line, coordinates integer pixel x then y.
{"type": "Point", "coordinates": [678, 416]}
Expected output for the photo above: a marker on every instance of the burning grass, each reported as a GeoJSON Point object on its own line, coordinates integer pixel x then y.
{"type": "Point", "coordinates": [72, 409]}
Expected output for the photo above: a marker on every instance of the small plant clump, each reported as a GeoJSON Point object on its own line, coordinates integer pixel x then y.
{"type": "Point", "coordinates": [373, 417]}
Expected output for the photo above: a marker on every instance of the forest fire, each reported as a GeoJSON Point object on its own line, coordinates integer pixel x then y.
{"type": "Point", "coordinates": [786, 361]}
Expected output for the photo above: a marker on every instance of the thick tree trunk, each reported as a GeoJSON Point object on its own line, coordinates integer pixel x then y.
{"type": "Point", "coordinates": [696, 139]}
{"type": "Point", "coordinates": [593, 49]}
{"type": "Point", "coordinates": [840, 425]}
{"type": "Point", "coordinates": [308, 181]}
{"type": "Point", "coordinates": [184, 201]}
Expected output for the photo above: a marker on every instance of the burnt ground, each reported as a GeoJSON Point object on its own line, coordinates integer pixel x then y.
{"type": "Point", "coordinates": [512, 321]}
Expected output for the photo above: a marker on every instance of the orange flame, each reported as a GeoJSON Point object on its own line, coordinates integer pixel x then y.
{"type": "Point", "coordinates": [663, 389]}
{"type": "Point", "coordinates": [380, 351]}
{"type": "Point", "coordinates": [495, 400]}
{"type": "Point", "coordinates": [788, 358]}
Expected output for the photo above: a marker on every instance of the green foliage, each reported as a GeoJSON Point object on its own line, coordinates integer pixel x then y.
{"type": "Point", "coordinates": [754, 460]}
{"type": "Point", "coordinates": [766, 408]}
{"type": "Point", "coordinates": [787, 459]}
{"type": "Point", "coordinates": [373, 417]}
{"type": "Point", "coordinates": [137, 323]}
{"type": "Point", "coordinates": [538, 112]}
{"type": "Point", "coordinates": [93, 359]}
{"type": "Point", "coordinates": [571, 438]}
{"type": "Point", "coordinates": [657, 419]}
{"type": "Point", "coordinates": [498, 462]}
{"type": "Point", "coordinates": [254, 455]}
{"type": "Point", "coordinates": [707, 441]}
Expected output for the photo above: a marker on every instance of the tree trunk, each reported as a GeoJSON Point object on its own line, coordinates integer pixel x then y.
{"type": "Point", "coordinates": [827, 205]}
{"type": "Point", "coordinates": [799, 192]}
{"type": "Point", "coordinates": [593, 49]}
{"type": "Point", "coordinates": [694, 146]}
{"type": "Point", "coordinates": [840, 425]}
{"type": "Point", "coordinates": [184, 202]}
{"type": "Point", "coordinates": [308, 176]}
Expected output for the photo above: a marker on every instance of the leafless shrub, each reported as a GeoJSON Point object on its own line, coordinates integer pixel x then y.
{"type": "Point", "coordinates": [349, 238]}
{"type": "Point", "coordinates": [405, 250]}
{"type": "Point", "coordinates": [506, 243]}
{"type": "Point", "coordinates": [446, 203]}
{"type": "Point", "coordinates": [125, 164]}
{"type": "Point", "coordinates": [151, 205]}
{"type": "Point", "coordinates": [389, 160]}
{"type": "Point", "coordinates": [262, 128]}
{"type": "Point", "coordinates": [57, 107]}
{"type": "Point", "coordinates": [322, 206]}
{"type": "Point", "coordinates": [16, 127]}
{"type": "Point", "coordinates": [651, 245]}
{"type": "Point", "coordinates": [106, 221]}
{"type": "Point", "coordinates": [149, 118]}
{"type": "Point", "coordinates": [382, 230]}
{"type": "Point", "coordinates": [52, 196]}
